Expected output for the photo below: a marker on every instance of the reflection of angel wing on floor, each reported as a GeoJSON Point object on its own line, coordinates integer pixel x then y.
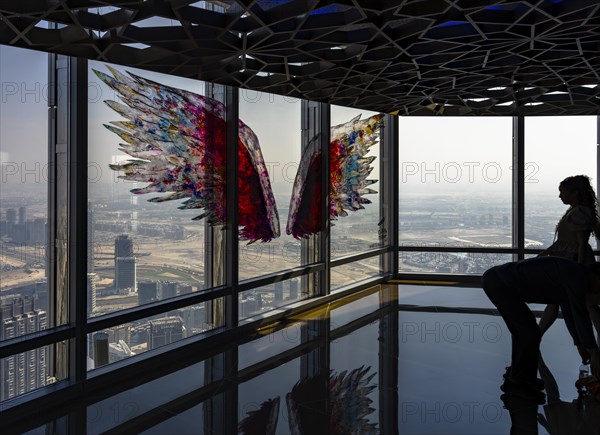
{"type": "Point", "coordinates": [349, 168]}
{"type": "Point", "coordinates": [350, 404]}
{"type": "Point", "coordinates": [262, 421]}
{"type": "Point", "coordinates": [348, 407]}
{"type": "Point", "coordinates": [177, 141]}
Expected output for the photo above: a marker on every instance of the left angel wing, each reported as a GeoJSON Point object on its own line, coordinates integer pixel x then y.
{"type": "Point", "coordinates": [177, 141]}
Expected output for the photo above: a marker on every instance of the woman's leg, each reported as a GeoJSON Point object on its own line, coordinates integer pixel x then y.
{"type": "Point", "coordinates": [548, 317]}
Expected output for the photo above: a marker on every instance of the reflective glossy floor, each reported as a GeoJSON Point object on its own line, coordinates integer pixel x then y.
{"type": "Point", "coordinates": [405, 358]}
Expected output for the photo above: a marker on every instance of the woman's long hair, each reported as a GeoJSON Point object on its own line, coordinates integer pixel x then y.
{"type": "Point", "coordinates": [586, 196]}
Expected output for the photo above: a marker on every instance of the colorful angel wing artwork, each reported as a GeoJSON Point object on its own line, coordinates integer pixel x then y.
{"type": "Point", "coordinates": [349, 404]}
{"type": "Point", "coordinates": [349, 168]}
{"type": "Point", "coordinates": [176, 139]}
{"type": "Point", "coordinates": [262, 421]}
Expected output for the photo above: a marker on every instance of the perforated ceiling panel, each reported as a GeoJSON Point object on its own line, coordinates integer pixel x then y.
{"type": "Point", "coordinates": [413, 57]}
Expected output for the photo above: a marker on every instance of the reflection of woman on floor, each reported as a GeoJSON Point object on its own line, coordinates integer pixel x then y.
{"type": "Point", "coordinates": [571, 238]}
{"type": "Point", "coordinates": [579, 417]}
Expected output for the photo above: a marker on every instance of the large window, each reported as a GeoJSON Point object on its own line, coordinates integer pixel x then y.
{"type": "Point", "coordinates": [555, 148]}
{"type": "Point", "coordinates": [140, 251]}
{"type": "Point", "coordinates": [455, 190]}
{"type": "Point", "coordinates": [24, 172]}
{"type": "Point", "coordinates": [275, 120]}
{"type": "Point", "coordinates": [359, 231]}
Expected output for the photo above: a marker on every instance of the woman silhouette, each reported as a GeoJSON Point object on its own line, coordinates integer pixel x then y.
{"type": "Point", "coordinates": [572, 234]}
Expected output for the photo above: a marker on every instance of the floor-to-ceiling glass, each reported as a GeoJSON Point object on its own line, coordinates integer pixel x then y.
{"type": "Point", "coordinates": [555, 148]}
{"type": "Point", "coordinates": [24, 180]}
{"type": "Point", "coordinates": [455, 191]}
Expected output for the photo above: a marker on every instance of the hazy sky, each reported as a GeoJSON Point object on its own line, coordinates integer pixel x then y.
{"type": "Point", "coordinates": [438, 155]}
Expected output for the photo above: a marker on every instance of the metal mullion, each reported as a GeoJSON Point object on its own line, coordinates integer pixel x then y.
{"type": "Point", "coordinates": [50, 261]}
{"type": "Point", "coordinates": [597, 166]}
{"type": "Point", "coordinates": [59, 216]}
{"type": "Point", "coordinates": [390, 191]}
{"type": "Point", "coordinates": [518, 200]}
{"type": "Point", "coordinates": [33, 341]}
{"type": "Point", "coordinates": [363, 255]}
{"type": "Point", "coordinates": [231, 240]}
{"type": "Point", "coordinates": [426, 278]}
{"type": "Point", "coordinates": [141, 312]}
{"type": "Point", "coordinates": [389, 351]}
{"type": "Point", "coordinates": [324, 125]}
{"type": "Point", "coordinates": [77, 155]}
{"type": "Point", "coordinates": [221, 246]}
{"type": "Point", "coordinates": [457, 249]}
{"type": "Point", "coordinates": [78, 159]}
{"type": "Point", "coordinates": [295, 272]}
{"type": "Point", "coordinates": [248, 373]}
{"type": "Point", "coordinates": [361, 322]}
{"type": "Point", "coordinates": [177, 406]}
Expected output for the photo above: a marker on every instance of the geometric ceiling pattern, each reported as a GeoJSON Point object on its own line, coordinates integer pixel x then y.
{"type": "Point", "coordinates": [411, 57]}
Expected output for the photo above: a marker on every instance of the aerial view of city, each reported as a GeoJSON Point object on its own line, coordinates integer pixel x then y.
{"type": "Point", "coordinates": [141, 252]}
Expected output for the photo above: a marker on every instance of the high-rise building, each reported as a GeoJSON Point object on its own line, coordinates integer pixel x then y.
{"type": "Point", "coordinates": [148, 292]}
{"type": "Point", "coordinates": [19, 233]}
{"type": "Point", "coordinates": [90, 238]}
{"type": "Point", "coordinates": [278, 291]}
{"type": "Point", "coordinates": [125, 264]}
{"type": "Point", "coordinates": [165, 331]}
{"type": "Point", "coordinates": [100, 349]}
{"type": "Point", "coordinates": [168, 289]}
{"type": "Point", "coordinates": [22, 215]}
{"type": "Point", "coordinates": [125, 274]}
{"type": "Point", "coordinates": [25, 371]}
{"type": "Point", "coordinates": [294, 290]}
{"type": "Point", "coordinates": [123, 246]}
{"type": "Point", "coordinates": [248, 305]}
{"type": "Point", "coordinates": [120, 332]}
{"type": "Point", "coordinates": [11, 216]}
{"type": "Point", "coordinates": [118, 351]}
{"type": "Point", "coordinates": [37, 231]}
{"type": "Point", "coordinates": [184, 289]}
{"type": "Point", "coordinates": [194, 318]}
{"type": "Point", "coordinates": [91, 293]}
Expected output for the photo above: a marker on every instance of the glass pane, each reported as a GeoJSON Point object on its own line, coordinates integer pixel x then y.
{"type": "Point", "coordinates": [275, 120]}
{"type": "Point", "coordinates": [127, 340]}
{"type": "Point", "coordinates": [270, 345]}
{"type": "Point", "coordinates": [360, 229]}
{"type": "Point", "coordinates": [26, 372]}
{"type": "Point", "coordinates": [141, 251]}
{"type": "Point", "coordinates": [117, 409]}
{"type": "Point", "coordinates": [456, 181]}
{"type": "Point", "coordinates": [188, 422]}
{"type": "Point", "coordinates": [450, 262]}
{"type": "Point", "coordinates": [266, 298]}
{"type": "Point", "coordinates": [23, 192]}
{"type": "Point", "coordinates": [355, 306]}
{"type": "Point", "coordinates": [356, 357]}
{"type": "Point", "coordinates": [270, 392]}
{"type": "Point", "coordinates": [355, 272]}
{"type": "Point", "coordinates": [555, 148]}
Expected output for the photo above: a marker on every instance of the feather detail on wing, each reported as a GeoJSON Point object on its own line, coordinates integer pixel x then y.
{"type": "Point", "coordinates": [262, 421]}
{"type": "Point", "coordinates": [349, 169]}
{"type": "Point", "coordinates": [177, 140]}
{"type": "Point", "coordinates": [347, 394]}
